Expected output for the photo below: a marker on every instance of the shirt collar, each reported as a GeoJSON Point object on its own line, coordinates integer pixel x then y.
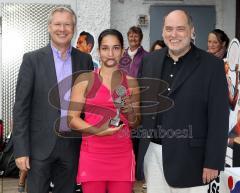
{"type": "Point", "coordinates": [184, 56]}
{"type": "Point", "coordinates": [58, 53]}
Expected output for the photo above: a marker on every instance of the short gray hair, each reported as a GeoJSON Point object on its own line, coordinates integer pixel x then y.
{"type": "Point", "coordinates": [62, 9]}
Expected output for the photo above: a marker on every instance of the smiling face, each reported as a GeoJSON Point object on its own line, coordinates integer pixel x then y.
{"type": "Point", "coordinates": [214, 45]}
{"type": "Point", "coordinates": [177, 33]}
{"type": "Point", "coordinates": [61, 29]}
{"type": "Point", "coordinates": [110, 51]}
{"type": "Point", "coordinates": [134, 40]}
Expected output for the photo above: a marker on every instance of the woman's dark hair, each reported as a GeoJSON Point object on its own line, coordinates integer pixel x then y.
{"type": "Point", "coordinates": [157, 42]}
{"type": "Point", "coordinates": [112, 32]}
{"type": "Point", "coordinates": [136, 30]}
{"type": "Point", "coordinates": [221, 36]}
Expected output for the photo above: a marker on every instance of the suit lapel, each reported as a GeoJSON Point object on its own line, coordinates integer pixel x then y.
{"type": "Point", "coordinates": [51, 76]}
{"type": "Point", "coordinates": [159, 62]}
{"type": "Point", "coordinates": [50, 70]}
{"type": "Point", "coordinates": [185, 71]}
{"type": "Point", "coordinates": [73, 58]}
{"type": "Point", "coordinates": [75, 65]}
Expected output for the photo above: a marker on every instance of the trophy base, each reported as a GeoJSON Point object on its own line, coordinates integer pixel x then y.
{"type": "Point", "coordinates": [115, 122]}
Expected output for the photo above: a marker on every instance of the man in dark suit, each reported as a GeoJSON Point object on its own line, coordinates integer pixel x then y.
{"type": "Point", "coordinates": [188, 145]}
{"type": "Point", "coordinates": [37, 146]}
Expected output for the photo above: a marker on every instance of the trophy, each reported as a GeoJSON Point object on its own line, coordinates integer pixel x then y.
{"type": "Point", "coordinates": [119, 92]}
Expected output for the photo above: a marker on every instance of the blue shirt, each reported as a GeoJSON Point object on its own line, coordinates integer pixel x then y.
{"type": "Point", "coordinates": [63, 69]}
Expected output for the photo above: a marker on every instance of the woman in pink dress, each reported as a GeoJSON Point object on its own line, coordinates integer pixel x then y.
{"type": "Point", "coordinates": [110, 101]}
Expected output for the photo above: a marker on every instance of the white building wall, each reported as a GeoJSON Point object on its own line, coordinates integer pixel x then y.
{"type": "Point", "coordinates": [68, 2]}
{"type": "Point", "coordinates": [124, 14]}
{"type": "Point", "coordinates": [93, 17]}
{"type": "Point", "coordinates": [228, 17]}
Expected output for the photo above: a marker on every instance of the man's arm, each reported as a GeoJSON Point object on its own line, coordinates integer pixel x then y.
{"type": "Point", "coordinates": [22, 110]}
{"type": "Point", "coordinates": [218, 117]}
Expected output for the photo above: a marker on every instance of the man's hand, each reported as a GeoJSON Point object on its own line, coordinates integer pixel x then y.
{"type": "Point", "coordinates": [23, 163]}
{"type": "Point", "coordinates": [209, 175]}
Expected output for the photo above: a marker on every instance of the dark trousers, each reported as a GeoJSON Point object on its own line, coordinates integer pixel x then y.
{"type": "Point", "coordinates": [142, 149]}
{"type": "Point", "coordinates": [60, 168]}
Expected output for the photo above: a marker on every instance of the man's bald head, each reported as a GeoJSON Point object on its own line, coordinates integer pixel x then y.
{"type": "Point", "coordinates": [180, 12]}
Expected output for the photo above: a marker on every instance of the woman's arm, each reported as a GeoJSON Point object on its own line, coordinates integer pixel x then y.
{"type": "Point", "coordinates": [234, 98]}
{"type": "Point", "coordinates": [77, 102]}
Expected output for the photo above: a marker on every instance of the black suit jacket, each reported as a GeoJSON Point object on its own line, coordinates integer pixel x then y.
{"type": "Point", "coordinates": [199, 116]}
{"type": "Point", "coordinates": [33, 114]}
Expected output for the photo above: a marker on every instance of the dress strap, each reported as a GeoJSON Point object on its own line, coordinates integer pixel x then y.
{"type": "Point", "coordinates": [95, 85]}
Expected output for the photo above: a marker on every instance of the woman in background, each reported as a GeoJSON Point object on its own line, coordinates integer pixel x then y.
{"type": "Point", "coordinates": [157, 45]}
{"type": "Point", "coordinates": [133, 55]}
{"type": "Point", "coordinates": [218, 43]}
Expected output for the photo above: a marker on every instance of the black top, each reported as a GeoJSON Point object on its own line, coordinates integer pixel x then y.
{"type": "Point", "coordinates": [169, 72]}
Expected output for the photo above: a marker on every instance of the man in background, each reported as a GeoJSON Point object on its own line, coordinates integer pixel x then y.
{"type": "Point", "coordinates": [85, 44]}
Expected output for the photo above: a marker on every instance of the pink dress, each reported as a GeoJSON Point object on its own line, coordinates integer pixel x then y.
{"type": "Point", "coordinates": [105, 158]}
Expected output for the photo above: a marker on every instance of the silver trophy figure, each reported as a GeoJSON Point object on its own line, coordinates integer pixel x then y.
{"type": "Point", "coordinates": [118, 102]}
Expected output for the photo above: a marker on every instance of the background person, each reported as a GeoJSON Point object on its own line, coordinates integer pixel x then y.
{"type": "Point", "coordinates": [157, 45]}
{"type": "Point", "coordinates": [133, 55]}
{"type": "Point", "coordinates": [233, 96]}
{"type": "Point", "coordinates": [130, 63]}
{"type": "Point", "coordinates": [85, 44]}
{"type": "Point", "coordinates": [218, 43]}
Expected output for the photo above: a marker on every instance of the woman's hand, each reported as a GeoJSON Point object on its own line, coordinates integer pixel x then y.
{"type": "Point", "coordinates": [128, 107]}
{"type": "Point", "coordinates": [107, 130]}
